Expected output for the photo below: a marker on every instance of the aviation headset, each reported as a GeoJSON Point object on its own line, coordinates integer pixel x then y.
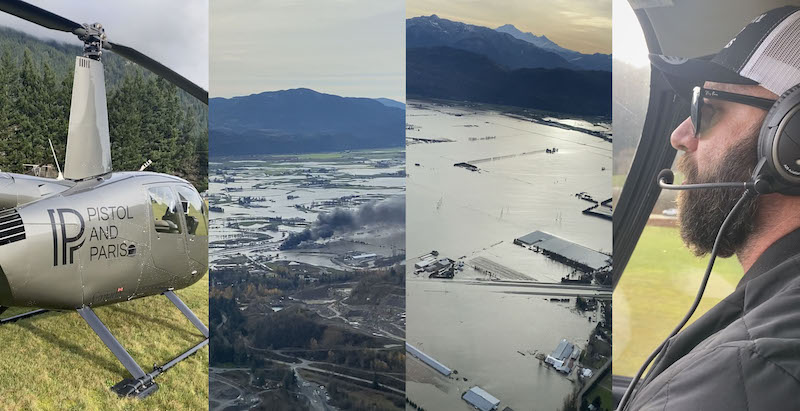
{"type": "Point", "coordinates": [777, 171]}
{"type": "Point", "coordinates": [779, 145]}
{"type": "Point", "coordinates": [778, 167]}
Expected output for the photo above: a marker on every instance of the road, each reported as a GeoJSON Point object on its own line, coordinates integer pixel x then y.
{"type": "Point", "coordinates": [536, 288]}
{"type": "Point", "coordinates": [317, 398]}
{"type": "Point", "coordinates": [338, 315]}
{"type": "Point", "coordinates": [214, 376]}
{"type": "Point", "coordinates": [598, 375]}
{"type": "Point", "coordinates": [316, 395]}
{"type": "Point", "coordinates": [306, 365]}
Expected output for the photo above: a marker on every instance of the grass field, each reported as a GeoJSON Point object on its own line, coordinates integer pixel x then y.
{"type": "Point", "coordinates": [602, 390]}
{"type": "Point", "coordinates": [618, 180]}
{"type": "Point", "coordinates": [55, 361]}
{"type": "Point", "coordinates": [656, 289]}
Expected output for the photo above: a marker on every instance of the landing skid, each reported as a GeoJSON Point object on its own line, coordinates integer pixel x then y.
{"type": "Point", "coordinates": [142, 384]}
{"type": "Point", "coordinates": [18, 317]}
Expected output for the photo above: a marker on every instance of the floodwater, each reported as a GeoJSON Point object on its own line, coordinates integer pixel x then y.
{"type": "Point", "coordinates": [478, 329]}
{"type": "Point", "coordinates": [285, 188]}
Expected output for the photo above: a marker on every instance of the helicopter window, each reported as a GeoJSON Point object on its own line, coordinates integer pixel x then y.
{"type": "Point", "coordinates": [195, 211]}
{"type": "Point", "coordinates": [650, 299]}
{"type": "Point", "coordinates": [631, 78]}
{"type": "Point", "coordinates": [165, 210]}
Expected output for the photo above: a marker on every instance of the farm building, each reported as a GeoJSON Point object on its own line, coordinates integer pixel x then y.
{"type": "Point", "coordinates": [424, 263]}
{"type": "Point", "coordinates": [563, 251]}
{"type": "Point", "coordinates": [440, 268]}
{"type": "Point", "coordinates": [427, 359]}
{"type": "Point", "coordinates": [564, 356]}
{"type": "Point", "coordinates": [480, 399]}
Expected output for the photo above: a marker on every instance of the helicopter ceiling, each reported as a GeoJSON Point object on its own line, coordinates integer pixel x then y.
{"type": "Point", "coordinates": [94, 34]}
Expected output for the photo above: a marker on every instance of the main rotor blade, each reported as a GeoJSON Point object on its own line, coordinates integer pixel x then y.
{"type": "Point", "coordinates": [53, 21]}
{"type": "Point", "coordinates": [159, 69]}
{"type": "Point", "coordinates": [39, 16]}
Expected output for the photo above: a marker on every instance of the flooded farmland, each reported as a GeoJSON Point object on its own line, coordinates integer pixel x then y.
{"type": "Point", "coordinates": [285, 194]}
{"type": "Point", "coordinates": [477, 180]}
{"type": "Point", "coordinates": [307, 257]}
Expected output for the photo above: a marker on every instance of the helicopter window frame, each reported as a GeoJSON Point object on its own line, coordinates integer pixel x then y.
{"type": "Point", "coordinates": [180, 225]}
{"type": "Point", "coordinates": [185, 207]}
{"type": "Point", "coordinates": [645, 321]}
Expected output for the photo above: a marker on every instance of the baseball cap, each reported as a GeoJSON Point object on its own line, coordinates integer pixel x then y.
{"type": "Point", "coordinates": [765, 52]}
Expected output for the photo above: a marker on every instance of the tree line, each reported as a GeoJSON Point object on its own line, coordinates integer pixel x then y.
{"type": "Point", "coordinates": [149, 118]}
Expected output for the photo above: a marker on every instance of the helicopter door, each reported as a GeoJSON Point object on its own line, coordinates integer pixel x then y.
{"type": "Point", "coordinates": [167, 239]}
{"type": "Point", "coordinates": [196, 213]}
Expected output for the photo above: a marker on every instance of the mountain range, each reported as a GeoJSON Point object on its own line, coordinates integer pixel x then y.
{"type": "Point", "coordinates": [502, 48]}
{"type": "Point", "coordinates": [596, 61]}
{"type": "Point", "coordinates": [444, 59]}
{"type": "Point", "coordinates": [302, 120]}
{"type": "Point", "coordinates": [391, 103]}
{"type": "Point", "coordinates": [453, 74]}
{"type": "Point", "coordinates": [458, 61]}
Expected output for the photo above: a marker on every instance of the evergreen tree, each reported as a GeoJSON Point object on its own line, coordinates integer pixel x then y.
{"type": "Point", "coordinates": [149, 118]}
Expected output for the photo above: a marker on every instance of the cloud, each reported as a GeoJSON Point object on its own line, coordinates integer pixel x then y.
{"type": "Point", "coordinates": [343, 47]}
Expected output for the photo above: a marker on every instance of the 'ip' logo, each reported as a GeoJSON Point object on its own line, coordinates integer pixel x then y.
{"type": "Point", "coordinates": [66, 242]}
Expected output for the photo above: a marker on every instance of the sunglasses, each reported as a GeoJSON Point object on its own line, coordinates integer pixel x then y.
{"type": "Point", "coordinates": [699, 94]}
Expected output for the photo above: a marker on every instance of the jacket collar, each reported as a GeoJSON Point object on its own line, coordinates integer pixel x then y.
{"type": "Point", "coordinates": [780, 251]}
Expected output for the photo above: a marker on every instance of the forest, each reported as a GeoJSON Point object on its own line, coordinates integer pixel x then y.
{"type": "Point", "coordinates": [148, 117]}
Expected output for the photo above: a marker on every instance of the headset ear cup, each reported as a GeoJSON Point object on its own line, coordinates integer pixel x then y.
{"type": "Point", "coordinates": [779, 143]}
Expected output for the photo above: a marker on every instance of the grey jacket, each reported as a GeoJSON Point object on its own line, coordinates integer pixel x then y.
{"type": "Point", "coordinates": [744, 353]}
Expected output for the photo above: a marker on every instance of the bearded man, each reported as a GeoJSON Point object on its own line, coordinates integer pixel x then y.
{"type": "Point", "coordinates": [744, 353]}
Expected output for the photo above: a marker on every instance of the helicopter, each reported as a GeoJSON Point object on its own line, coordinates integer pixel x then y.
{"type": "Point", "coordinates": [94, 236]}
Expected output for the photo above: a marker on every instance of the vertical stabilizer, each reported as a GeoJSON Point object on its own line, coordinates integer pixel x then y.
{"type": "Point", "coordinates": [88, 142]}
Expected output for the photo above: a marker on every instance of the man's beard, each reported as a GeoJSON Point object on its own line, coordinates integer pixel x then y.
{"type": "Point", "coordinates": [702, 212]}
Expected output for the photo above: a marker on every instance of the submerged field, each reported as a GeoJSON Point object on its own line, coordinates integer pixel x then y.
{"type": "Point", "coordinates": [478, 178]}
{"type": "Point", "coordinates": [306, 254]}
{"type": "Point", "coordinates": [656, 289]}
{"type": "Point", "coordinates": [55, 361]}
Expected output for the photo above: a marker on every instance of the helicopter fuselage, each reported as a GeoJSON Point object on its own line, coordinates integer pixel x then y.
{"type": "Point", "coordinates": [103, 240]}
{"type": "Point", "coordinates": [18, 189]}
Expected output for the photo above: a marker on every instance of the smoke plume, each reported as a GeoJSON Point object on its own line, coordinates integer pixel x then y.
{"type": "Point", "coordinates": [384, 212]}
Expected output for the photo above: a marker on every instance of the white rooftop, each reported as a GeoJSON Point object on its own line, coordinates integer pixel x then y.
{"type": "Point", "coordinates": [480, 399]}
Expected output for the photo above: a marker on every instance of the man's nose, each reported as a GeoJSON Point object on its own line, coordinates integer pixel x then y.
{"type": "Point", "coordinates": [683, 137]}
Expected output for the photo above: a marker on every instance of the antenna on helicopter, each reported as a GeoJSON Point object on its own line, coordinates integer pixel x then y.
{"type": "Point", "coordinates": [88, 150]}
{"type": "Point", "coordinates": [141, 254]}
{"type": "Point", "coordinates": [145, 165]}
{"type": "Point", "coordinates": [60, 176]}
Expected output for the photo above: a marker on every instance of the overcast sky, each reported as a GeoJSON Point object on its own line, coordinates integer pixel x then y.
{"type": "Point", "coordinates": [353, 48]}
{"type": "Point", "coordinates": [580, 25]}
{"type": "Point", "coordinates": [629, 44]}
{"type": "Point", "coordinates": [173, 32]}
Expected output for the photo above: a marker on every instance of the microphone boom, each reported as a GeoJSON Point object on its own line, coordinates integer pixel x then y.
{"type": "Point", "coordinates": [666, 177]}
